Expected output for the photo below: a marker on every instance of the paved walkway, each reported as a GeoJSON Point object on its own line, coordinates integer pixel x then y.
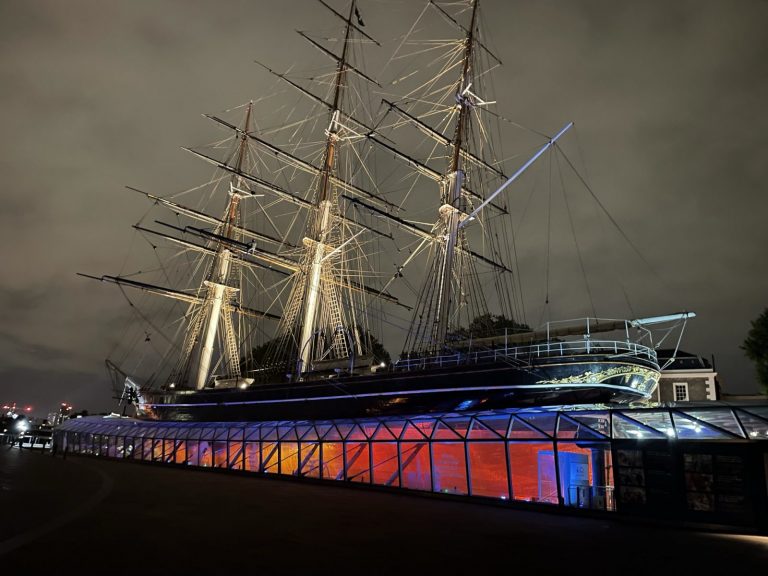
{"type": "Point", "coordinates": [90, 516]}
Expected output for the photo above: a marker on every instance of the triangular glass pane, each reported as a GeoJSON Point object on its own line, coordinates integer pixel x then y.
{"type": "Point", "coordinates": [687, 428]}
{"type": "Point", "coordinates": [544, 421]}
{"type": "Point", "coordinates": [311, 434]}
{"type": "Point", "coordinates": [287, 433]}
{"type": "Point", "coordinates": [395, 426]}
{"type": "Point", "coordinates": [356, 434]}
{"type": "Point", "coordinates": [221, 433]}
{"type": "Point", "coordinates": [236, 434]}
{"type": "Point", "coordinates": [269, 433]}
{"type": "Point", "coordinates": [568, 428]}
{"type": "Point", "coordinates": [252, 433]}
{"type": "Point", "coordinates": [303, 429]}
{"type": "Point", "coordinates": [498, 423]}
{"type": "Point", "coordinates": [757, 428]}
{"type": "Point", "coordinates": [443, 432]}
{"type": "Point", "coordinates": [323, 429]}
{"type": "Point", "coordinates": [624, 427]}
{"type": "Point", "coordinates": [523, 431]}
{"type": "Point", "coordinates": [600, 422]}
{"type": "Point", "coordinates": [332, 434]}
{"type": "Point", "coordinates": [368, 428]}
{"type": "Point", "coordinates": [721, 418]}
{"type": "Point", "coordinates": [207, 434]}
{"type": "Point", "coordinates": [761, 411]}
{"type": "Point", "coordinates": [479, 432]}
{"type": "Point", "coordinates": [459, 424]}
{"type": "Point", "coordinates": [412, 433]}
{"type": "Point", "coordinates": [383, 433]}
{"type": "Point", "coordinates": [425, 425]}
{"type": "Point", "coordinates": [656, 419]}
{"type": "Point", "coordinates": [344, 428]}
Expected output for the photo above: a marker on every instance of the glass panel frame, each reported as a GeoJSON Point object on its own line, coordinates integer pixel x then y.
{"type": "Point", "coordinates": [415, 465]}
{"type": "Point", "coordinates": [332, 456]}
{"type": "Point", "coordinates": [357, 463]}
{"type": "Point", "coordinates": [309, 464]}
{"type": "Point", "coordinates": [386, 463]}
{"type": "Point", "coordinates": [488, 471]}
{"type": "Point", "coordinates": [449, 467]}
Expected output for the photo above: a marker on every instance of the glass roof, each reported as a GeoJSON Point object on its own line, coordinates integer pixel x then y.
{"type": "Point", "coordinates": [713, 421]}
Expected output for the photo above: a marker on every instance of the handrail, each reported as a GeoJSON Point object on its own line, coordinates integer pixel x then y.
{"type": "Point", "coordinates": [521, 355]}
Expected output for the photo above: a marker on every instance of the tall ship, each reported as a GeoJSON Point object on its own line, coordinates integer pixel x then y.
{"type": "Point", "coordinates": [357, 214]}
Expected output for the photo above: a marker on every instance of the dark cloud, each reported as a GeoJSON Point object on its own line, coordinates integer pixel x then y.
{"type": "Point", "coordinates": [668, 100]}
{"type": "Point", "coordinates": [23, 354]}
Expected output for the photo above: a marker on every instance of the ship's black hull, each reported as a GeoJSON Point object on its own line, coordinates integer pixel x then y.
{"type": "Point", "coordinates": [553, 381]}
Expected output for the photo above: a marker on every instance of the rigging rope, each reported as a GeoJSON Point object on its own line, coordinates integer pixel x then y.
{"type": "Point", "coordinates": [576, 240]}
{"type": "Point", "coordinates": [610, 216]}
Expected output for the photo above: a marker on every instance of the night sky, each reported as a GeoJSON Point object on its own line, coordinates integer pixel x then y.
{"type": "Point", "coordinates": [668, 98]}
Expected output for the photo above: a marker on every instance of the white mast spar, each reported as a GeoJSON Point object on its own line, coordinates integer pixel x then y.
{"type": "Point", "coordinates": [444, 295]}
{"type": "Point", "coordinates": [218, 289]}
{"type": "Point", "coordinates": [322, 227]}
{"type": "Point", "coordinates": [516, 175]}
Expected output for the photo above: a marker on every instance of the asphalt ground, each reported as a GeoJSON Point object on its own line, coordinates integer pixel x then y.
{"type": "Point", "coordinates": [84, 515]}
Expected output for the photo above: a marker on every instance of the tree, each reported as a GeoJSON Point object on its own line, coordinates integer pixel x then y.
{"type": "Point", "coordinates": [376, 348]}
{"type": "Point", "coordinates": [756, 347]}
{"type": "Point", "coordinates": [282, 350]}
{"type": "Point", "coordinates": [495, 324]}
{"type": "Point", "coordinates": [487, 325]}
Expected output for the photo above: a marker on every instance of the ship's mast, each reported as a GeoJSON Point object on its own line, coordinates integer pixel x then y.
{"type": "Point", "coordinates": [218, 288]}
{"type": "Point", "coordinates": [452, 301]}
{"type": "Point", "coordinates": [317, 243]}
{"type": "Point", "coordinates": [451, 211]}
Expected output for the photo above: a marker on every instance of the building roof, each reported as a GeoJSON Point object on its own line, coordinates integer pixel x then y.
{"type": "Point", "coordinates": [683, 360]}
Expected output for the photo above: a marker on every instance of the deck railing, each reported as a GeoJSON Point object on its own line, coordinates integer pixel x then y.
{"type": "Point", "coordinates": [522, 355]}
